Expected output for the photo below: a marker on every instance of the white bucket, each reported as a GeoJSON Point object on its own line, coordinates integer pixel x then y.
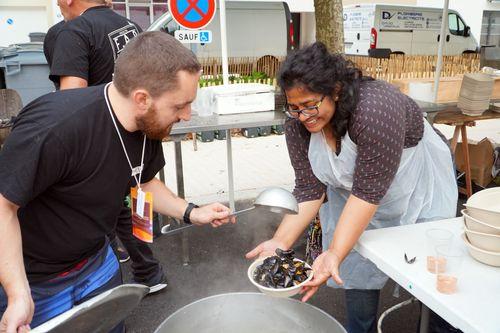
{"type": "Point", "coordinates": [421, 91]}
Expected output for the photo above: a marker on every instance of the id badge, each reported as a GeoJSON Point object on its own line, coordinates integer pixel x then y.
{"type": "Point", "coordinates": [142, 214]}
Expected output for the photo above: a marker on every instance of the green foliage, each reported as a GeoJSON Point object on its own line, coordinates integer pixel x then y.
{"type": "Point", "coordinates": [217, 80]}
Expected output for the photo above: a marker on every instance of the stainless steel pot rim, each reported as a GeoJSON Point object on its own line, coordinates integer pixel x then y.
{"type": "Point", "coordinates": [247, 293]}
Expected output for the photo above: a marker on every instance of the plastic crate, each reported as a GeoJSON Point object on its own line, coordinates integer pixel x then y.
{"type": "Point", "coordinates": [220, 135]}
{"type": "Point", "coordinates": [252, 132]}
{"type": "Point", "coordinates": [207, 136]}
{"type": "Point", "coordinates": [278, 129]}
{"type": "Point", "coordinates": [25, 69]}
{"type": "Point", "coordinates": [264, 131]}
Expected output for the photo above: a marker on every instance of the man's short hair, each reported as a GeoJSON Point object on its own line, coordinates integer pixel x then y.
{"type": "Point", "coordinates": [98, 2]}
{"type": "Point", "coordinates": [151, 61]}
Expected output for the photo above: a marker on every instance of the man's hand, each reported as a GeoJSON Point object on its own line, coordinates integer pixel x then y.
{"type": "Point", "coordinates": [18, 314]}
{"type": "Point", "coordinates": [266, 249]}
{"type": "Point", "coordinates": [325, 266]}
{"type": "Point", "coordinates": [20, 307]}
{"type": "Point", "coordinates": [215, 214]}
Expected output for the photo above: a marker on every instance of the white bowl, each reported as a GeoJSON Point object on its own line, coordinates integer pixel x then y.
{"type": "Point", "coordinates": [485, 206]}
{"type": "Point", "coordinates": [486, 257]}
{"type": "Point", "coordinates": [483, 241]}
{"type": "Point", "coordinates": [284, 292]}
{"type": "Point", "coordinates": [484, 215]}
{"type": "Point", "coordinates": [477, 197]}
{"type": "Point", "coordinates": [479, 226]}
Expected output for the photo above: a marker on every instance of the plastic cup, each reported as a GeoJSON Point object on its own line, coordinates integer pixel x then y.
{"type": "Point", "coordinates": [433, 239]}
{"type": "Point", "coordinates": [449, 265]}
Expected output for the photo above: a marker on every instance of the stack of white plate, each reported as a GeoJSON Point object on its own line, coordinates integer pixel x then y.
{"type": "Point", "coordinates": [482, 226]}
{"type": "Point", "coordinates": [475, 93]}
{"type": "Point", "coordinates": [495, 107]}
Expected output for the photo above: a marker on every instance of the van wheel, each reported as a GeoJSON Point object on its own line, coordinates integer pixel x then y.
{"type": "Point", "coordinates": [469, 52]}
{"type": "Point", "coordinates": [268, 64]}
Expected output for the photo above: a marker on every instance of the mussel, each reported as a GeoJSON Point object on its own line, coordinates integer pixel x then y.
{"type": "Point", "coordinates": [281, 271]}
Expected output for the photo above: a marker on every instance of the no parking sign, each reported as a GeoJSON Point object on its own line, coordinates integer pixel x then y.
{"type": "Point", "coordinates": [192, 14]}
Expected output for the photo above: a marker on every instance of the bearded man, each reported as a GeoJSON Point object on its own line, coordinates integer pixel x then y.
{"type": "Point", "coordinates": [70, 159]}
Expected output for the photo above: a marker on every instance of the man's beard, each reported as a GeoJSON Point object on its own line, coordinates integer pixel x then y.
{"type": "Point", "coordinates": [148, 124]}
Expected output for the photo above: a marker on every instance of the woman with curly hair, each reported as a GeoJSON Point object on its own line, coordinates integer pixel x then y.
{"type": "Point", "coordinates": [365, 158]}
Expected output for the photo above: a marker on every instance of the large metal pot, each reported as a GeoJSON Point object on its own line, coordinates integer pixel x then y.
{"type": "Point", "coordinates": [249, 313]}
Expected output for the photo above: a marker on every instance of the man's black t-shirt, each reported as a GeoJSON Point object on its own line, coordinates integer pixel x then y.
{"type": "Point", "coordinates": [49, 44]}
{"type": "Point", "coordinates": [49, 41]}
{"type": "Point", "coordinates": [64, 165]}
{"type": "Point", "coordinates": [88, 45]}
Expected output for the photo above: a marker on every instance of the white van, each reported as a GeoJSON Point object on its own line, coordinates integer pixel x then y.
{"type": "Point", "coordinates": [254, 29]}
{"type": "Point", "coordinates": [379, 30]}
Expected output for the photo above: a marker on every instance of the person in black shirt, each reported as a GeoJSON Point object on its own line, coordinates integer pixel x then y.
{"type": "Point", "coordinates": [88, 45]}
{"type": "Point", "coordinates": [84, 55]}
{"type": "Point", "coordinates": [50, 41]}
{"type": "Point", "coordinates": [51, 37]}
{"type": "Point", "coordinates": [66, 167]}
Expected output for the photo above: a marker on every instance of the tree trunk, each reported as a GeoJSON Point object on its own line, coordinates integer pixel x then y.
{"type": "Point", "coordinates": [330, 24]}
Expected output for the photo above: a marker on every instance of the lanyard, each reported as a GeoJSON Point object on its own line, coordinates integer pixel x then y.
{"type": "Point", "coordinates": [137, 170]}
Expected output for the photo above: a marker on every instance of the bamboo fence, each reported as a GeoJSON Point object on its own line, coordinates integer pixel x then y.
{"type": "Point", "coordinates": [393, 68]}
{"type": "Point", "coordinates": [243, 65]}
{"type": "Point", "coordinates": [410, 67]}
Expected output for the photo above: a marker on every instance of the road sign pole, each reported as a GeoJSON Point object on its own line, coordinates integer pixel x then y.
{"type": "Point", "coordinates": [225, 80]}
{"type": "Point", "coordinates": [223, 40]}
{"type": "Point", "coordinates": [439, 64]}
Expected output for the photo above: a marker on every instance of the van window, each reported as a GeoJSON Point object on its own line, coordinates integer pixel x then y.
{"type": "Point", "coordinates": [456, 25]}
{"type": "Point", "coordinates": [142, 12]}
{"type": "Point", "coordinates": [170, 27]}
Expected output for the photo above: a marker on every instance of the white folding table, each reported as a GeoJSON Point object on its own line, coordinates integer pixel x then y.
{"type": "Point", "coordinates": [475, 308]}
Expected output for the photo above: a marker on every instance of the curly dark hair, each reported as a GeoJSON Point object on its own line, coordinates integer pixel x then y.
{"type": "Point", "coordinates": [322, 72]}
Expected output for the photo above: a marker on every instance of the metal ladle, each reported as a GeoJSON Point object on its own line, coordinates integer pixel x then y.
{"type": "Point", "coordinates": [273, 199]}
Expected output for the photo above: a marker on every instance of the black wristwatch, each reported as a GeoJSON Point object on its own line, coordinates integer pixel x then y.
{"type": "Point", "coordinates": [189, 208]}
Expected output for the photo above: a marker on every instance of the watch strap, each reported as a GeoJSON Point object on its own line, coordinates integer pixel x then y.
{"type": "Point", "coordinates": [187, 212]}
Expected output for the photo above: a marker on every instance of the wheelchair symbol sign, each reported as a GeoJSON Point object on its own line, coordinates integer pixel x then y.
{"type": "Point", "coordinates": [205, 37]}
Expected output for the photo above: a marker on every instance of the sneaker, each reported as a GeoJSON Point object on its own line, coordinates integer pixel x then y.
{"type": "Point", "coordinates": [154, 286]}
{"type": "Point", "coordinates": [122, 254]}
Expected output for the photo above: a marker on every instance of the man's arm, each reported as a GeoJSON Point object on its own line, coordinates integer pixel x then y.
{"type": "Point", "coordinates": [167, 203]}
{"type": "Point", "coordinates": [13, 279]}
{"type": "Point", "coordinates": [72, 82]}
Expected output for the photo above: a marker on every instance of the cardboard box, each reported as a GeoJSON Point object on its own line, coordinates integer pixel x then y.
{"type": "Point", "coordinates": [481, 157]}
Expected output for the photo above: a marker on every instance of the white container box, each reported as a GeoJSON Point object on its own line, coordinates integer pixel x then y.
{"type": "Point", "coordinates": [239, 98]}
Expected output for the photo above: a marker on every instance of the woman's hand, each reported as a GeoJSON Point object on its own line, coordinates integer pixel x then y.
{"type": "Point", "coordinates": [266, 249]}
{"type": "Point", "coordinates": [325, 266]}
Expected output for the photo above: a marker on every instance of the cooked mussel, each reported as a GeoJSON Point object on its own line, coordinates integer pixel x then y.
{"type": "Point", "coordinates": [281, 271]}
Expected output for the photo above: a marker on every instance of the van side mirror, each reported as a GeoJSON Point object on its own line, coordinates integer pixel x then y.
{"type": "Point", "coordinates": [467, 31]}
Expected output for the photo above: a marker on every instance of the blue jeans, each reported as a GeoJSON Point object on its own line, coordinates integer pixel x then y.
{"type": "Point", "coordinates": [99, 273]}
{"type": "Point", "coordinates": [362, 306]}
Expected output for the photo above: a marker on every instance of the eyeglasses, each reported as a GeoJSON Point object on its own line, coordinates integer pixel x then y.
{"type": "Point", "coordinates": [308, 112]}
